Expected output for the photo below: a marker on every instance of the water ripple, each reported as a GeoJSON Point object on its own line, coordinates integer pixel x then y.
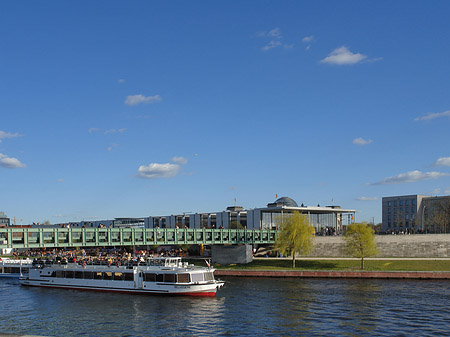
{"type": "Point", "coordinates": [244, 307]}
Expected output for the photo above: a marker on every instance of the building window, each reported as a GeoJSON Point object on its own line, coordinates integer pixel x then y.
{"type": "Point", "coordinates": [401, 203]}
{"type": "Point", "coordinates": [389, 211]}
{"type": "Point", "coordinates": [407, 210]}
{"type": "Point", "coordinates": [395, 203]}
{"type": "Point", "coordinates": [413, 202]}
{"type": "Point", "coordinates": [389, 203]}
{"type": "Point", "coordinates": [407, 203]}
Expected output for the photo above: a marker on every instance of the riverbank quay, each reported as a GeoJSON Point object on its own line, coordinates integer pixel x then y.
{"type": "Point", "coordinates": [376, 268]}
{"type": "Point", "coordinates": [417, 275]}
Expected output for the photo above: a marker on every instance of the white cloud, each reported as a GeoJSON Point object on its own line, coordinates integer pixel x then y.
{"type": "Point", "coordinates": [111, 131]}
{"type": "Point", "coordinates": [92, 130]}
{"type": "Point", "coordinates": [121, 80]}
{"type": "Point", "coordinates": [137, 99]}
{"type": "Point", "coordinates": [4, 135]}
{"type": "Point", "coordinates": [443, 161]}
{"type": "Point", "coordinates": [111, 147]}
{"type": "Point", "coordinates": [272, 44]}
{"type": "Point", "coordinates": [308, 39]}
{"type": "Point", "coordinates": [410, 177]}
{"type": "Point", "coordinates": [433, 115]}
{"type": "Point", "coordinates": [9, 162]}
{"type": "Point", "coordinates": [362, 141]}
{"type": "Point", "coordinates": [367, 198]}
{"type": "Point", "coordinates": [155, 170]}
{"type": "Point", "coordinates": [60, 180]}
{"type": "Point", "coordinates": [276, 33]}
{"type": "Point", "coordinates": [180, 160]}
{"type": "Point", "coordinates": [275, 39]}
{"type": "Point", "coordinates": [343, 56]}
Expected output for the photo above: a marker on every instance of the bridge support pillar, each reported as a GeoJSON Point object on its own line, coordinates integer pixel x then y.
{"type": "Point", "coordinates": [231, 254]}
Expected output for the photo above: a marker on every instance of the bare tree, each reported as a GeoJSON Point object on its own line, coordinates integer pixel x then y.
{"type": "Point", "coordinates": [440, 215]}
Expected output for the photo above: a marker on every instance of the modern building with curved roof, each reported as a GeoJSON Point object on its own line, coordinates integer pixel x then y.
{"type": "Point", "coordinates": [321, 217]}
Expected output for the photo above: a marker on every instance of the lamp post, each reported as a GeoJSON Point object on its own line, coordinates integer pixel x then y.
{"type": "Point", "coordinates": [423, 215]}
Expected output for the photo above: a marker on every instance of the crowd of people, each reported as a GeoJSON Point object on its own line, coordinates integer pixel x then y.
{"type": "Point", "coordinates": [100, 256]}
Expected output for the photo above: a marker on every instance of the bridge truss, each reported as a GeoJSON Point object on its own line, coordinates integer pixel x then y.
{"type": "Point", "coordinates": [109, 237]}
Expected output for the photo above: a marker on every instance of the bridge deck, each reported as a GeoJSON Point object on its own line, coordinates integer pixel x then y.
{"type": "Point", "coordinates": [94, 237]}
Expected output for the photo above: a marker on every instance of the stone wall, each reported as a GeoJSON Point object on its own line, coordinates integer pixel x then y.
{"type": "Point", "coordinates": [427, 245]}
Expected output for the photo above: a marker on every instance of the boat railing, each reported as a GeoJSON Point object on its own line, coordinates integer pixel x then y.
{"type": "Point", "coordinates": [4, 261]}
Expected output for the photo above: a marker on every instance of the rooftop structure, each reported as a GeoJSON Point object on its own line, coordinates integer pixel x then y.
{"type": "Point", "coordinates": [4, 220]}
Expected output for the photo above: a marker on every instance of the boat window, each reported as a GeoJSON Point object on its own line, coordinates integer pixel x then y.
{"type": "Point", "coordinates": [129, 276]}
{"type": "Point", "coordinates": [107, 275]}
{"type": "Point", "coordinates": [88, 275]}
{"type": "Point", "coordinates": [78, 274]}
{"type": "Point", "coordinates": [183, 278]}
{"type": "Point", "coordinates": [197, 277]}
{"type": "Point", "coordinates": [159, 277]}
{"type": "Point", "coordinates": [53, 274]}
{"type": "Point", "coordinates": [98, 275]}
{"type": "Point", "coordinates": [59, 273]}
{"type": "Point", "coordinates": [118, 276]}
{"type": "Point", "coordinates": [149, 277]}
{"type": "Point", "coordinates": [69, 274]}
{"type": "Point", "coordinates": [169, 278]}
{"type": "Point", "coordinates": [209, 276]}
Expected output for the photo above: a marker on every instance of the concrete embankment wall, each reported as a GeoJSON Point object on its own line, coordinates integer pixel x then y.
{"type": "Point", "coordinates": [426, 275]}
{"type": "Point", "coordinates": [425, 245]}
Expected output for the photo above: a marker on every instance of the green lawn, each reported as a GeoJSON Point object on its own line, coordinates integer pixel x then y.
{"type": "Point", "coordinates": [371, 265]}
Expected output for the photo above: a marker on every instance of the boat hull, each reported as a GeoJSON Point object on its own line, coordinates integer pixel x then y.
{"type": "Point", "coordinates": [208, 293]}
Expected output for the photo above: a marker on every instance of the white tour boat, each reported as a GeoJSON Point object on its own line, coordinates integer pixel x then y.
{"type": "Point", "coordinates": [13, 267]}
{"type": "Point", "coordinates": [157, 276]}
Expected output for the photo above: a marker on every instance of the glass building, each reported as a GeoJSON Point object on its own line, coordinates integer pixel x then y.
{"type": "Point", "coordinates": [331, 218]}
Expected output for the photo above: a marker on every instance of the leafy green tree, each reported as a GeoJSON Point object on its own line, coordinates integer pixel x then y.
{"type": "Point", "coordinates": [235, 225]}
{"type": "Point", "coordinates": [360, 241]}
{"type": "Point", "coordinates": [296, 236]}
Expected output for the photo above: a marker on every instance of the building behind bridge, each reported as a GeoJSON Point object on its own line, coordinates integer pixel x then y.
{"type": "Point", "coordinates": [323, 218]}
{"type": "Point", "coordinates": [416, 214]}
{"type": "Point", "coordinates": [4, 220]}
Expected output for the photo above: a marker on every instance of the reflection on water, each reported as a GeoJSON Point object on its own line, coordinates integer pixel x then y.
{"type": "Point", "coordinates": [244, 307]}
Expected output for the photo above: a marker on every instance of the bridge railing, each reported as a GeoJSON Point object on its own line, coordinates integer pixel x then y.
{"type": "Point", "coordinates": [95, 237]}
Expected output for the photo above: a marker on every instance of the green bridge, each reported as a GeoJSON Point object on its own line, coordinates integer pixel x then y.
{"type": "Point", "coordinates": [101, 237]}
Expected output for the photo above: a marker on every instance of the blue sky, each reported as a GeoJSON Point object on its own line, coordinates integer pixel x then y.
{"type": "Point", "coordinates": [118, 108]}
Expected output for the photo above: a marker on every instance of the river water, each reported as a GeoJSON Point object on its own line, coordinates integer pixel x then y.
{"type": "Point", "coordinates": [243, 307]}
